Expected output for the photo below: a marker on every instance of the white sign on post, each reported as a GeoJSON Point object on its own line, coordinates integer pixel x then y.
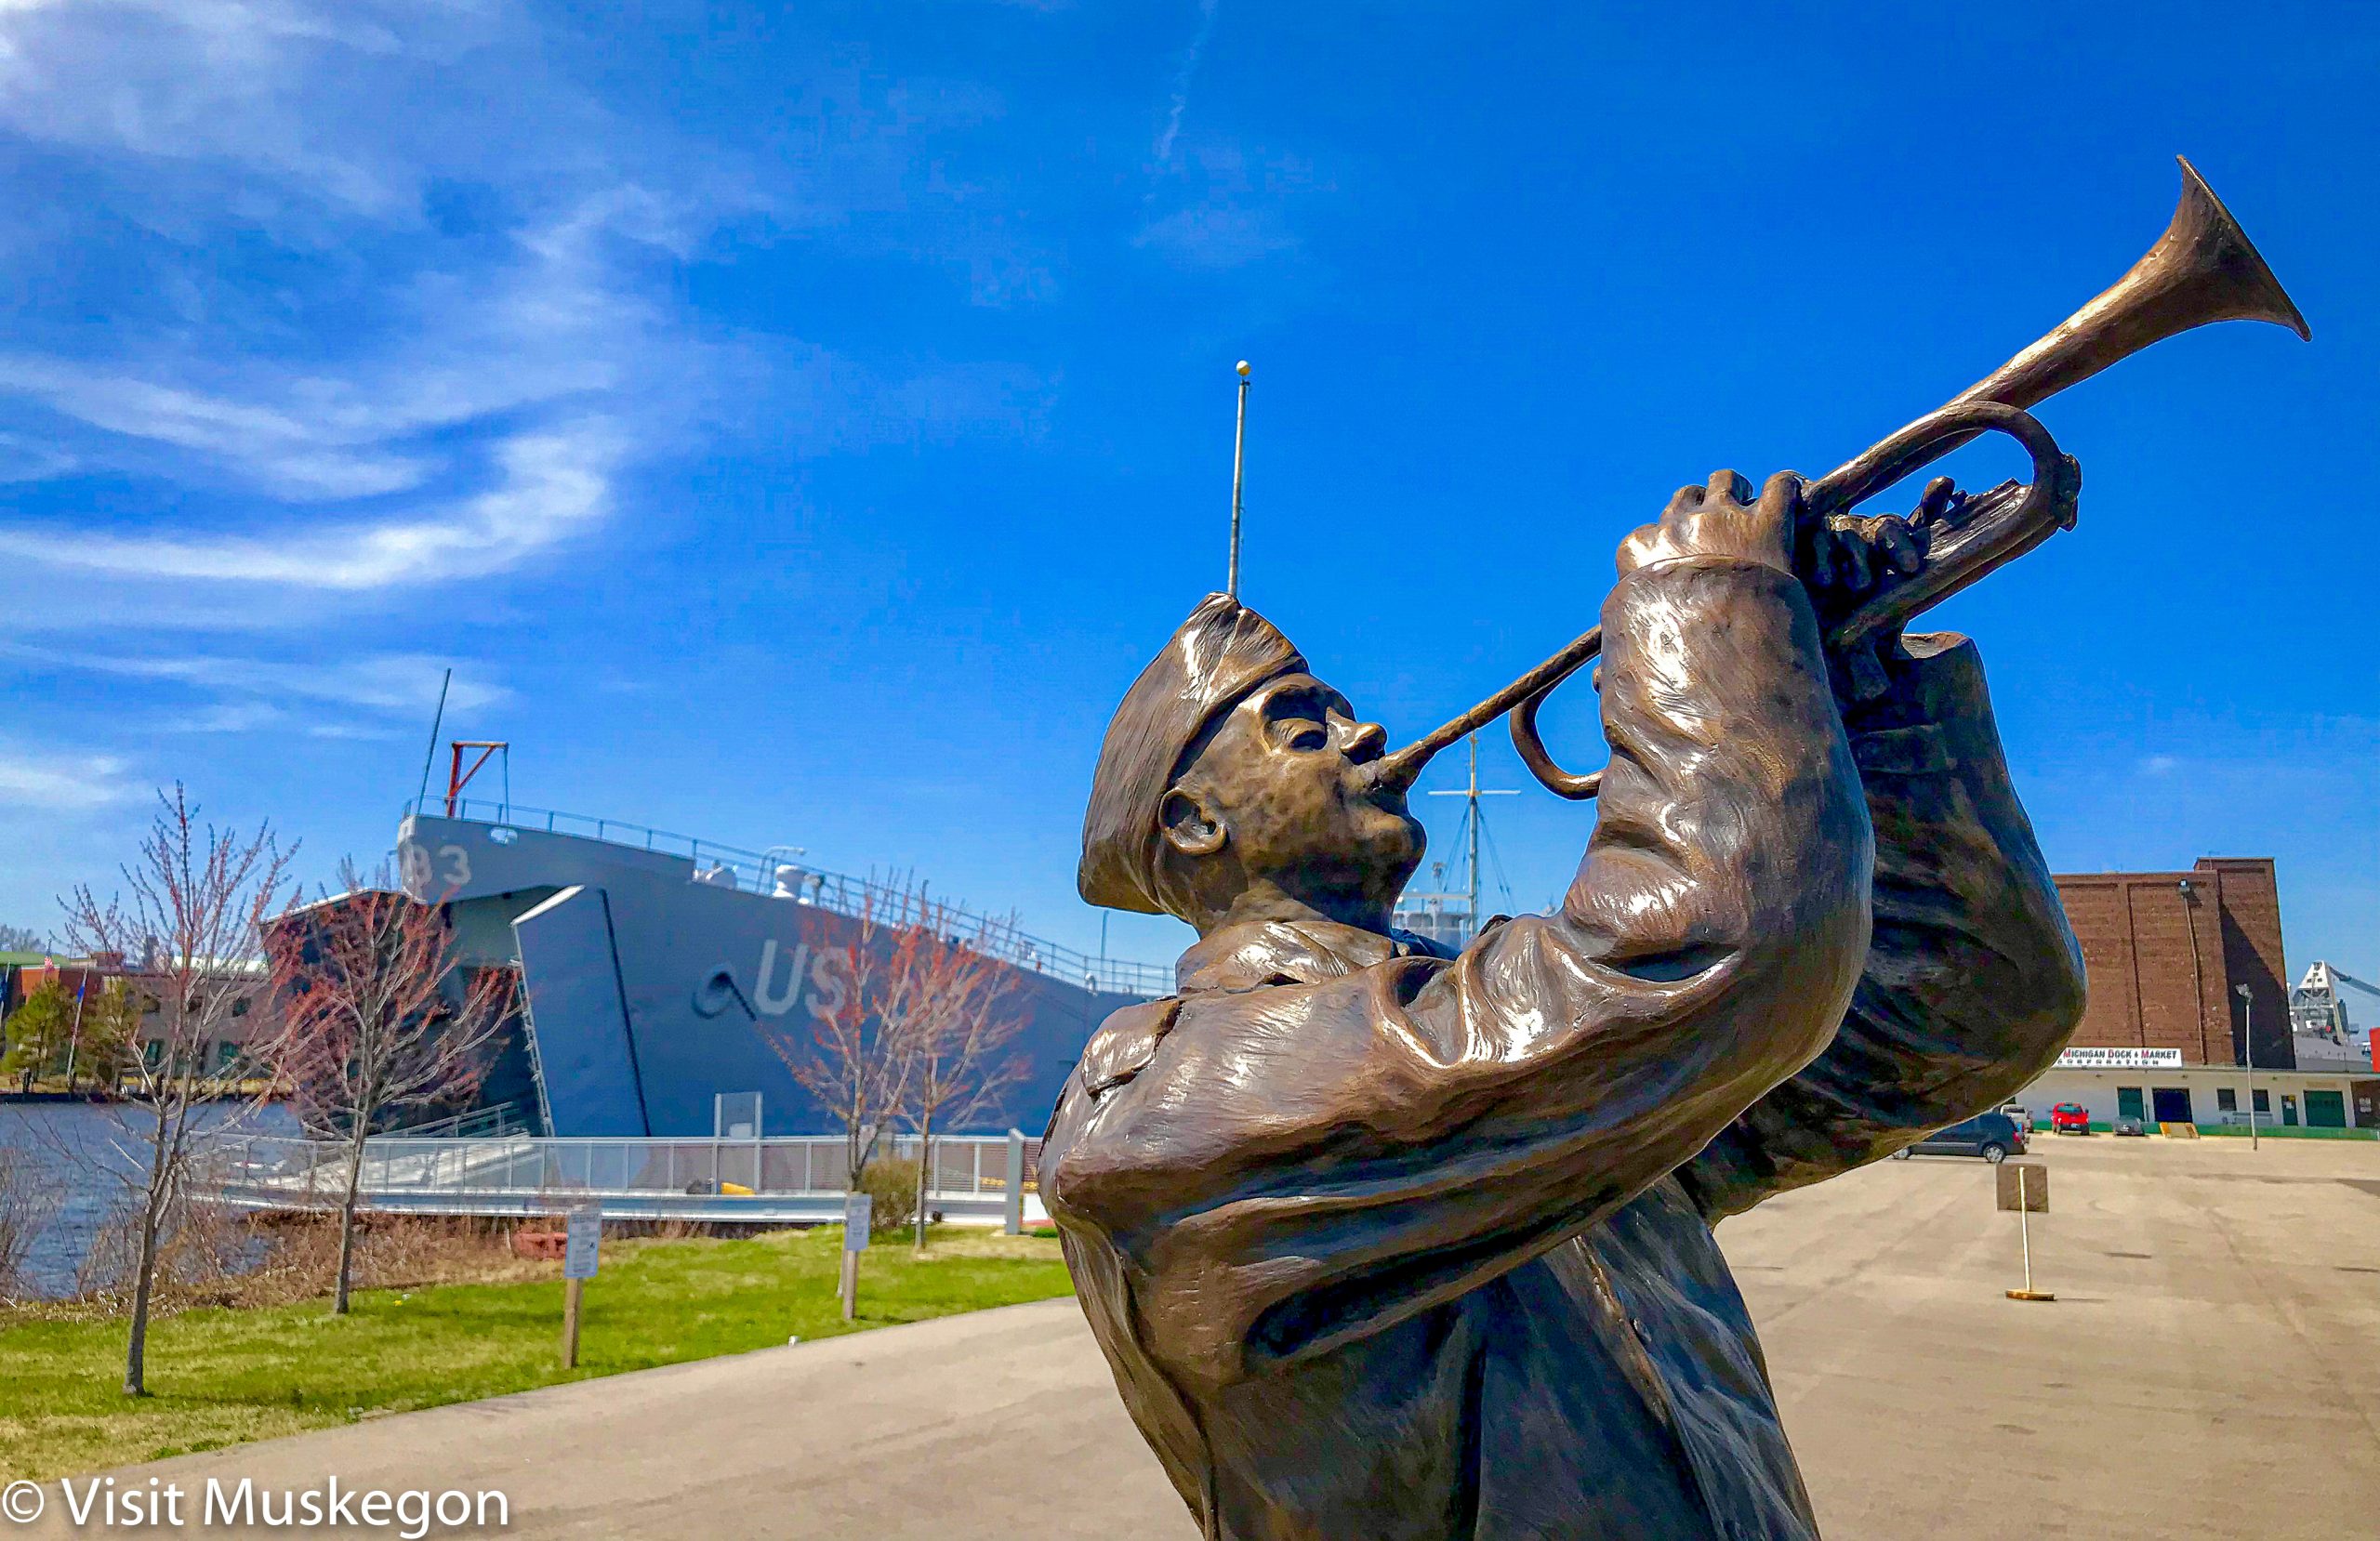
{"type": "Point", "coordinates": [858, 1211]}
{"type": "Point", "coordinates": [585, 1241]}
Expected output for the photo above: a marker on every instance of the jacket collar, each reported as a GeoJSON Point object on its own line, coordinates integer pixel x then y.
{"type": "Point", "coordinates": [1283, 952]}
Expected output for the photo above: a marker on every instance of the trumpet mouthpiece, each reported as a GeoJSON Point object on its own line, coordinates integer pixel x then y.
{"type": "Point", "coordinates": [1397, 772]}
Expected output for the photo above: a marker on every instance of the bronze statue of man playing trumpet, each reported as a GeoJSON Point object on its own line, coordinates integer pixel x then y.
{"type": "Point", "coordinates": [1386, 1243]}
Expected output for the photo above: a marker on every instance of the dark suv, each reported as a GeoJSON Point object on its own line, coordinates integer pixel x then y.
{"type": "Point", "coordinates": [1993, 1136]}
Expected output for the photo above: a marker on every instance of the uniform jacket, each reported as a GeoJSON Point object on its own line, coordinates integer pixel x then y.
{"type": "Point", "coordinates": [1390, 1245]}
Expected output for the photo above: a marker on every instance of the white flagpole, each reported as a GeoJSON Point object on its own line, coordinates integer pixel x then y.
{"type": "Point", "coordinates": [1239, 461]}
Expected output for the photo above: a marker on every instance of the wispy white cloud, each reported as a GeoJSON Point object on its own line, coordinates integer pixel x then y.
{"type": "Point", "coordinates": [302, 434]}
{"type": "Point", "coordinates": [451, 406]}
{"type": "Point", "coordinates": [480, 386]}
{"type": "Point", "coordinates": [1216, 204]}
{"type": "Point", "coordinates": [61, 783]}
{"type": "Point", "coordinates": [24, 460]}
{"type": "Point", "coordinates": [1180, 102]}
{"type": "Point", "coordinates": [385, 682]}
{"type": "Point", "coordinates": [1228, 208]}
{"type": "Point", "coordinates": [286, 450]}
{"type": "Point", "coordinates": [292, 453]}
{"type": "Point", "coordinates": [549, 485]}
{"type": "Point", "coordinates": [423, 402]}
{"type": "Point", "coordinates": [258, 717]}
{"type": "Point", "coordinates": [239, 82]}
{"type": "Point", "coordinates": [345, 321]}
{"type": "Point", "coordinates": [1212, 236]}
{"type": "Point", "coordinates": [351, 732]}
{"type": "Point", "coordinates": [223, 716]}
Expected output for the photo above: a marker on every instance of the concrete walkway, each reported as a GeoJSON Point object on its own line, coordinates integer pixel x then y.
{"type": "Point", "coordinates": [2206, 1371]}
{"type": "Point", "coordinates": [954, 1428]}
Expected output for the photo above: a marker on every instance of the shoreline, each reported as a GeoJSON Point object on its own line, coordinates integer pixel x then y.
{"type": "Point", "coordinates": [110, 1100]}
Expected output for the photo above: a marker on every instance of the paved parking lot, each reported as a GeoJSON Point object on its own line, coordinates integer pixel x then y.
{"type": "Point", "coordinates": [2211, 1369]}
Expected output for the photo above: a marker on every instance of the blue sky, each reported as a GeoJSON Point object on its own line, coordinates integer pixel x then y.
{"type": "Point", "coordinates": [799, 423]}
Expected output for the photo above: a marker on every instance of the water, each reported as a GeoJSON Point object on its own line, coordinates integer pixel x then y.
{"type": "Point", "coordinates": [82, 1153]}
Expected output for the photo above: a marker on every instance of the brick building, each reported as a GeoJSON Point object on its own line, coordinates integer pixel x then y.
{"type": "Point", "coordinates": [250, 1017]}
{"type": "Point", "coordinates": [2166, 951]}
{"type": "Point", "coordinates": [2161, 1037]}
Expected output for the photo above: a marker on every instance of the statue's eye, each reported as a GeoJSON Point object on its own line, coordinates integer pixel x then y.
{"type": "Point", "coordinates": [1303, 733]}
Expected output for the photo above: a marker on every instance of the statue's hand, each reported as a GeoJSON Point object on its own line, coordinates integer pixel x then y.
{"type": "Point", "coordinates": [1721, 518]}
{"type": "Point", "coordinates": [1847, 555]}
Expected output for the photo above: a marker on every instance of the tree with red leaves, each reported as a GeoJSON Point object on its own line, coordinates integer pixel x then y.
{"type": "Point", "coordinates": [911, 1019]}
{"type": "Point", "coordinates": [948, 1013]}
{"type": "Point", "coordinates": [193, 924]}
{"type": "Point", "coordinates": [842, 1055]}
{"type": "Point", "coordinates": [374, 1023]}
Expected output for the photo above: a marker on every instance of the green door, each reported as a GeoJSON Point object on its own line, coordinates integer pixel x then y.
{"type": "Point", "coordinates": [2128, 1103]}
{"type": "Point", "coordinates": [2288, 1110]}
{"type": "Point", "coordinates": [2326, 1110]}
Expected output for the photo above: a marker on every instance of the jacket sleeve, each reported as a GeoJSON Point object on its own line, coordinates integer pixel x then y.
{"type": "Point", "coordinates": [1300, 1165]}
{"type": "Point", "coordinates": [1972, 981]}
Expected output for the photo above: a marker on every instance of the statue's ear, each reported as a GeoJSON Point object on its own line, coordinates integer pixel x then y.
{"type": "Point", "coordinates": [1191, 824]}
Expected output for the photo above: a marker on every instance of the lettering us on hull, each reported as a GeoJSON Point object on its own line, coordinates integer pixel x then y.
{"type": "Point", "coordinates": [787, 976]}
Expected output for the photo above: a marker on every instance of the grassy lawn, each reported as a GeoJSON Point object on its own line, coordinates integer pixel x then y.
{"type": "Point", "coordinates": [221, 1376]}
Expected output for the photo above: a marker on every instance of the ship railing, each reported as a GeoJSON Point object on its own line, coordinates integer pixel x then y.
{"type": "Point", "coordinates": [781, 1179]}
{"type": "Point", "coordinates": [504, 1118]}
{"type": "Point", "coordinates": [479, 1123]}
{"type": "Point", "coordinates": [756, 872]}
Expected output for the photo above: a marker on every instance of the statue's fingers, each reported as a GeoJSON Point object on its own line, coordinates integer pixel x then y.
{"type": "Point", "coordinates": [1729, 486]}
{"type": "Point", "coordinates": [1900, 548]}
{"type": "Point", "coordinates": [1820, 566]}
{"type": "Point", "coordinates": [1780, 495]}
{"type": "Point", "coordinates": [1852, 552]}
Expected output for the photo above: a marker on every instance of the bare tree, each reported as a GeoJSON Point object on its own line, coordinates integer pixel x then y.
{"type": "Point", "coordinates": [22, 939]}
{"type": "Point", "coordinates": [374, 1023]}
{"type": "Point", "coordinates": [192, 916]}
{"type": "Point", "coordinates": [949, 1013]}
{"type": "Point", "coordinates": [842, 1055]}
{"type": "Point", "coordinates": [27, 1205]}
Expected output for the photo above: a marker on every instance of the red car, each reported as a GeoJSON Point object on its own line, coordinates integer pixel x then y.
{"type": "Point", "coordinates": [2069, 1118]}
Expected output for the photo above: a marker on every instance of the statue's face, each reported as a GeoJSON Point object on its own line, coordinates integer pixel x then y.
{"type": "Point", "coordinates": [1281, 791]}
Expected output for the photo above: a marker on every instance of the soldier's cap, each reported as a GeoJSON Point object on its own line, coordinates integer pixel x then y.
{"type": "Point", "coordinates": [1222, 651]}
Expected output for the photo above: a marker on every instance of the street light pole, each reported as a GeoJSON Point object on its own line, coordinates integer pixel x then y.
{"type": "Point", "coordinates": [2248, 1042]}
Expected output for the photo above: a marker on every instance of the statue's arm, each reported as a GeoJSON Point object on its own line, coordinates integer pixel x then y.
{"type": "Point", "coordinates": [1301, 1165]}
{"type": "Point", "coordinates": [1973, 982]}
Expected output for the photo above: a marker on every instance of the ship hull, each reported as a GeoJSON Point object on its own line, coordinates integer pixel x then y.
{"type": "Point", "coordinates": [653, 987]}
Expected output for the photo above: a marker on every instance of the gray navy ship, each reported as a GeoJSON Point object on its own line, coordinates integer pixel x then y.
{"type": "Point", "coordinates": [656, 970]}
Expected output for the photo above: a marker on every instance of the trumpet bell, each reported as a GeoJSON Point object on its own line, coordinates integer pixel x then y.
{"type": "Point", "coordinates": [2203, 269]}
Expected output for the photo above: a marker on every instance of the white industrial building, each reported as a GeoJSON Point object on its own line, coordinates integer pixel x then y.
{"type": "Point", "coordinates": [2154, 1086]}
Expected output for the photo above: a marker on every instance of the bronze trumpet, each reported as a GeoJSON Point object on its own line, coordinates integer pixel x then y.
{"type": "Point", "coordinates": [2204, 269]}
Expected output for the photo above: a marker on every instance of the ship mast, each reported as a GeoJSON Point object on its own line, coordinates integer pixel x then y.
{"type": "Point", "coordinates": [1471, 793]}
{"type": "Point", "coordinates": [1424, 911]}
